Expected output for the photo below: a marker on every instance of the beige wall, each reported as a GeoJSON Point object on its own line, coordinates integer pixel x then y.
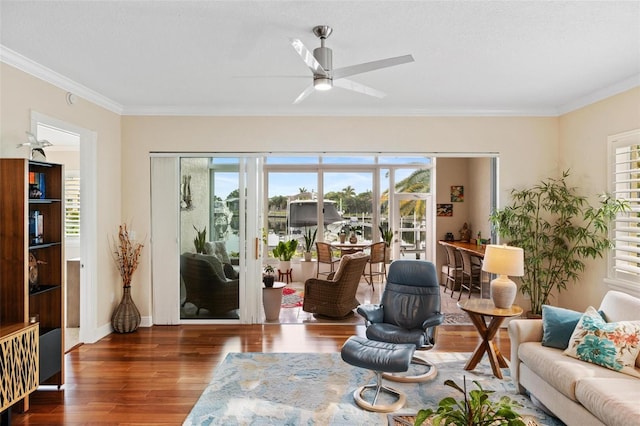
{"type": "Point", "coordinates": [583, 150]}
{"type": "Point", "coordinates": [529, 150]}
{"type": "Point", "coordinates": [513, 138]}
{"type": "Point", "coordinates": [23, 93]}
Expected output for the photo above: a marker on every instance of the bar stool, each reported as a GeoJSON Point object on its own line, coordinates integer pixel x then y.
{"type": "Point", "coordinates": [454, 269]}
{"type": "Point", "coordinates": [470, 274]}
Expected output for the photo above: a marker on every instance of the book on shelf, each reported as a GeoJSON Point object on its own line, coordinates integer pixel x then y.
{"type": "Point", "coordinates": [36, 185]}
{"type": "Point", "coordinates": [36, 227]}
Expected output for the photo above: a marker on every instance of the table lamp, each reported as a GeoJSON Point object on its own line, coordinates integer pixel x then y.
{"type": "Point", "coordinates": [503, 261]}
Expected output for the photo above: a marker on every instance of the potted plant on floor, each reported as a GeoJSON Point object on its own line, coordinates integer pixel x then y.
{"type": "Point", "coordinates": [309, 241]}
{"type": "Point", "coordinates": [284, 251]}
{"type": "Point", "coordinates": [474, 409]}
{"type": "Point", "coordinates": [200, 239]}
{"type": "Point", "coordinates": [557, 229]}
{"type": "Point", "coordinates": [387, 236]}
{"type": "Point", "coordinates": [268, 278]}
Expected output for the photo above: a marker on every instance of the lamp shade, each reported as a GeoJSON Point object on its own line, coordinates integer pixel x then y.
{"type": "Point", "coordinates": [503, 260]}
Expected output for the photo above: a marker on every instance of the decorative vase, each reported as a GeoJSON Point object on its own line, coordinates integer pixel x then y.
{"type": "Point", "coordinates": [307, 256]}
{"type": "Point", "coordinates": [126, 317]}
{"type": "Point", "coordinates": [353, 239]}
{"type": "Point", "coordinates": [503, 292]}
{"type": "Point", "coordinates": [343, 237]}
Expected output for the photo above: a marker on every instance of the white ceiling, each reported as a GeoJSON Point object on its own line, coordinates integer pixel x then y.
{"type": "Point", "coordinates": [231, 57]}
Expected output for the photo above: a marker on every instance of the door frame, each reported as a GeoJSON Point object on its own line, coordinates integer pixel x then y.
{"type": "Point", "coordinates": [88, 222]}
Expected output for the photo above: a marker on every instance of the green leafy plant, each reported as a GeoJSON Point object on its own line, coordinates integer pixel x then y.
{"type": "Point", "coordinates": [200, 239]}
{"type": "Point", "coordinates": [268, 269]}
{"type": "Point", "coordinates": [557, 229]}
{"type": "Point", "coordinates": [268, 278]}
{"type": "Point", "coordinates": [309, 239]}
{"type": "Point", "coordinates": [474, 409]}
{"type": "Point", "coordinates": [386, 233]}
{"type": "Point", "coordinates": [285, 250]}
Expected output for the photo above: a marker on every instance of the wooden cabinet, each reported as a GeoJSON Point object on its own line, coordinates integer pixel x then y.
{"type": "Point", "coordinates": [32, 256]}
{"type": "Point", "coordinates": [19, 360]}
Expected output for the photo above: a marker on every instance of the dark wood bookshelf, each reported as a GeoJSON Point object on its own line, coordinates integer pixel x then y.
{"type": "Point", "coordinates": [20, 242]}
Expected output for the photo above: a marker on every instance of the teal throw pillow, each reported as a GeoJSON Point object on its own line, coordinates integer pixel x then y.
{"type": "Point", "coordinates": [558, 325]}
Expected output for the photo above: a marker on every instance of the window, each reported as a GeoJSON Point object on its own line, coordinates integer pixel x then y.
{"type": "Point", "coordinates": [624, 177]}
{"type": "Point", "coordinates": [72, 205]}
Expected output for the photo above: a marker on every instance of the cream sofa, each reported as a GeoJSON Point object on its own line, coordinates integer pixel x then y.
{"type": "Point", "coordinates": [577, 392]}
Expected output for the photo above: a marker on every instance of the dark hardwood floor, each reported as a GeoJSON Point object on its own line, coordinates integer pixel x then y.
{"type": "Point", "coordinates": [155, 375]}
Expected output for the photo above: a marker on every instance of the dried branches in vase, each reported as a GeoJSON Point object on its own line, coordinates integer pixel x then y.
{"type": "Point", "coordinates": [126, 254]}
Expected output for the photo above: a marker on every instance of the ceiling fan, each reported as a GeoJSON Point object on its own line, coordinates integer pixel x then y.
{"type": "Point", "coordinates": [325, 77]}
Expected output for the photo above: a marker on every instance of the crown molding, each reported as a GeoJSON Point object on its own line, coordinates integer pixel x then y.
{"type": "Point", "coordinates": [598, 95]}
{"type": "Point", "coordinates": [25, 64]}
{"type": "Point", "coordinates": [289, 111]}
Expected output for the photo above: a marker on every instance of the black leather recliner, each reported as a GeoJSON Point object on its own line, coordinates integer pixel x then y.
{"type": "Point", "coordinates": [410, 308]}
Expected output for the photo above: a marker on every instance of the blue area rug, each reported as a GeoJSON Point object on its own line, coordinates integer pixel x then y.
{"type": "Point", "coordinates": [317, 389]}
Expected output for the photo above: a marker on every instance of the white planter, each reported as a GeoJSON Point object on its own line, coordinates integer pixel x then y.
{"type": "Point", "coordinates": [284, 265]}
{"type": "Point", "coordinates": [307, 256]}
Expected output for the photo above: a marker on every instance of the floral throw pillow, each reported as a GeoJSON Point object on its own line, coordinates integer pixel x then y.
{"type": "Point", "coordinates": [614, 345]}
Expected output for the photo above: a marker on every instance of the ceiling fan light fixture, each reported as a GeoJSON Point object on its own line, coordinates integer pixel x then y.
{"type": "Point", "coordinates": [322, 83]}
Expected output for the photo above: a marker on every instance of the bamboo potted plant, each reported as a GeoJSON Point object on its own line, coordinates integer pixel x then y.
{"type": "Point", "coordinates": [558, 229]}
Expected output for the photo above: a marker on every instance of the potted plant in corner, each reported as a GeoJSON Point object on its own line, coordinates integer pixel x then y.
{"type": "Point", "coordinates": [200, 239]}
{"type": "Point", "coordinates": [557, 229]}
{"type": "Point", "coordinates": [268, 278]}
{"type": "Point", "coordinates": [387, 236]}
{"type": "Point", "coordinates": [309, 241]}
{"type": "Point", "coordinates": [284, 251]}
{"type": "Point", "coordinates": [474, 409]}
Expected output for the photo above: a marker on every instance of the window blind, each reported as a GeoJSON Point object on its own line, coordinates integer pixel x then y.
{"type": "Point", "coordinates": [72, 206]}
{"type": "Point", "coordinates": [625, 232]}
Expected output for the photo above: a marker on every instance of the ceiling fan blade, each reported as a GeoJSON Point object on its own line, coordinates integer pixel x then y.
{"type": "Point", "coordinates": [357, 87]}
{"type": "Point", "coordinates": [371, 66]}
{"type": "Point", "coordinates": [306, 92]}
{"type": "Point", "coordinates": [308, 58]}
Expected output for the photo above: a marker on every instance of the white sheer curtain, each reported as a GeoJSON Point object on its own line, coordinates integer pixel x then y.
{"type": "Point", "coordinates": [165, 259]}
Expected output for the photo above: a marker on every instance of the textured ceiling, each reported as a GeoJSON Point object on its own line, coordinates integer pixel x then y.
{"type": "Point", "coordinates": [234, 57]}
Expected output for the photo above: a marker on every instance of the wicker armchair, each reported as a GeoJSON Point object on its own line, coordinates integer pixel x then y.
{"type": "Point", "coordinates": [335, 297]}
{"type": "Point", "coordinates": [205, 284]}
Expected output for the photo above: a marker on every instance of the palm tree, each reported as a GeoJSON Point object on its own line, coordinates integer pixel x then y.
{"type": "Point", "coordinates": [417, 182]}
{"type": "Point", "coordinates": [349, 192]}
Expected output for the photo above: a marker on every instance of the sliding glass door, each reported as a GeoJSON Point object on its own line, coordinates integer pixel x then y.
{"type": "Point", "coordinates": [217, 264]}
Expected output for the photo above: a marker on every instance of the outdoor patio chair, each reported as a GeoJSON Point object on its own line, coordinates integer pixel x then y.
{"type": "Point", "coordinates": [325, 256]}
{"type": "Point", "coordinates": [205, 284]}
{"type": "Point", "coordinates": [377, 254]}
{"type": "Point", "coordinates": [335, 297]}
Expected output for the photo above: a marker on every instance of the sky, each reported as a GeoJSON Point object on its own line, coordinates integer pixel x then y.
{"type": "Point", "coordinates": [289, 183]}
